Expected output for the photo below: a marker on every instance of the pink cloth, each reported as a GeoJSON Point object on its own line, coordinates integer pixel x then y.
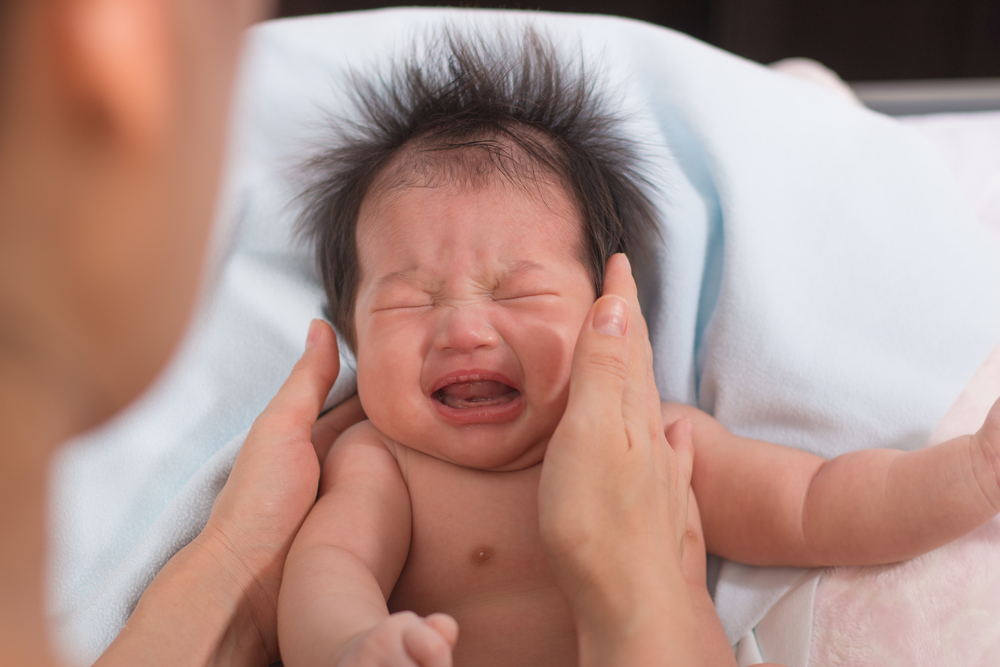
{"type": "Point", "coordinates": [940, 609]}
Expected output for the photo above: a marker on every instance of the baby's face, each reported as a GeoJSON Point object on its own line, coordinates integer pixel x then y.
{"type": "Point", "coordinates": [470, 302]}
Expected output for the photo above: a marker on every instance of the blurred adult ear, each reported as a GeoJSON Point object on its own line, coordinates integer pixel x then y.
{"type": "Point", "coordinates": [112, 126]}
{"type": "Point", "coordinates": [127, 96]}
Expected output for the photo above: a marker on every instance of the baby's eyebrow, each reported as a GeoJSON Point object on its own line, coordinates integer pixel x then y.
{"type": "Point", "coordinates": [517, 268]}
{"type": "Point", "coordinates": [403, 275]}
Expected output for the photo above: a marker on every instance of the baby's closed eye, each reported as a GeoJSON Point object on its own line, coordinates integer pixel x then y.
{"type": "Point", "coordinates": [535, 302]}
{"type": "Point", "coordinates": [523, 290]}
{"type": "Point", "coordinates": [402, 305]}
{"type": "Point", "coordinates": [526, 295]}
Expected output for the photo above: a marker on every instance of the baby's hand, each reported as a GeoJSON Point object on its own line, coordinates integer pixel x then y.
{"type": "Point", "coordinates": [986, 444]}
{"type": "Point", "coordinates": [404, 640]}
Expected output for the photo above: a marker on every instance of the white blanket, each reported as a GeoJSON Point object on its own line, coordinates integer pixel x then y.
{"type": "Point", "coordinates": [822, 284]}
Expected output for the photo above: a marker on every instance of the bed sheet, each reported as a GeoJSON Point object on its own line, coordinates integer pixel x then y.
{"type": "Point", "coordinates": [942, 608]}
{"type": "Point", "coordinates": [969, 143]}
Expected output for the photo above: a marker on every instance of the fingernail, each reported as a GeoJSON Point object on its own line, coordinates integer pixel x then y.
{"type": "Point", "coordinates": [611, 316]}
{"type": "Point", "coordinates": [628, 264]}
{"type": "Point", "coordinates": [688, 427]}
{"type": "Point", "coordinates": [313, 333]}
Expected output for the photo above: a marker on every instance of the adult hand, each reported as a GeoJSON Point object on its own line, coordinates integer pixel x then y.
{"type": "Point", "coordinates": [222, 589]}
{"type": "Point", "coordinates": [613, 494]}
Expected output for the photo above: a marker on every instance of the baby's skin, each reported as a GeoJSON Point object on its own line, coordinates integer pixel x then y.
{"type": "Point", "coordinates": [470, 301]}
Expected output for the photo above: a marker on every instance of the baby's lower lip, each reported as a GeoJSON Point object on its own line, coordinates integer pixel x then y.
{"type": "Point", "coordinates": [476, 394]}
{"type": "Point", "coordinates": [478, 402]}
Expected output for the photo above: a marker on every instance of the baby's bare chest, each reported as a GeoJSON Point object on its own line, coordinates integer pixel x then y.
{"type": "Point", "coordinates": [475, 553]}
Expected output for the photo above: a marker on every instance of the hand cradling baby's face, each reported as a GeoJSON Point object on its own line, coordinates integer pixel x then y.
{"type": "Point", "coordinates": [470, 302]}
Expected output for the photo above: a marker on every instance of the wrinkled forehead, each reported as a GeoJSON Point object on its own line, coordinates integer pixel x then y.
{"type": "Point", "coordinates": [434, 183]}
{"type": "Point", "coordinates": [467, 203]}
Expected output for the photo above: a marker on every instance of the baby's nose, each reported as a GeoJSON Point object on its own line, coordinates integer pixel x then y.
{"type": "Point", "coordinates": [465, 329]}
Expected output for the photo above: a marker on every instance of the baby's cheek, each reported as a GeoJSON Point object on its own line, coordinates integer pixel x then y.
{"type": "Point", "coordinates": [389, 386]}
{"type": "Point", "coordinates": [548, 362]}
{"type": "Point", "coordinates": [366, 388]}
{"type": "Point", "coordinates": [375, 382]}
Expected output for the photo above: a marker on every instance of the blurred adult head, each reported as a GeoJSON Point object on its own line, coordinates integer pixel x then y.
{"type": "Point", "coordinates": [111, 136]}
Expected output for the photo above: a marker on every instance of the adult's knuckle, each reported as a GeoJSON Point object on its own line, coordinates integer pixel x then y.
{"type": "Point", "coordinates": [302, 373]}
{"type": "Point", "coordinates": [279, 425]}
{"type": "Point", "coordinates": [608, 362]}
{"type": "Point", "coordinates": [643, 327]}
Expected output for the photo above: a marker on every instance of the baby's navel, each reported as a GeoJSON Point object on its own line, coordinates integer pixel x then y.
{"type": "Point", "coordinates": [480, 555]}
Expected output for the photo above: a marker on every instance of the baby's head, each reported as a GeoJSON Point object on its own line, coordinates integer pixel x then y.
{"type": "Point", "coordinates": [462, 231]}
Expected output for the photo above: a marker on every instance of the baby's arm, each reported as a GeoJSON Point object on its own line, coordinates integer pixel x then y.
{"type": "Point", "coordinates": [344, 563]}
{"type": "Point", "coordinates": [770, 505]}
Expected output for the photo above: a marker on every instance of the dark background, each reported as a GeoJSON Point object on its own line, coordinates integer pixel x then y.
{"type": "Point", "coordinates": [861, 40]}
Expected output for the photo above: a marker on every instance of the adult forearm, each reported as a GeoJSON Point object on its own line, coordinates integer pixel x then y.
{"type": "Point", "coordinates": [646, 621]}
{"type": "Point", "coordinates": [199, 610]}
{"type": "Point", "coordinates": [715, 648]}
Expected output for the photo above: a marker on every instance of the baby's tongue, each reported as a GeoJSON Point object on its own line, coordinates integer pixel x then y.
{"type": "Point", "coordinates": [478, 394]}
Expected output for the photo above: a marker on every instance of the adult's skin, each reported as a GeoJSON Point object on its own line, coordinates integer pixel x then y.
{"type": "Point", "coordinates": [612, 485]}
{"type": "Point", "coordinates": [111, 131]}
{"type": "Point", "coordinates": [111, 128]}
{"type": "Point", "coordinates": [611, 479]}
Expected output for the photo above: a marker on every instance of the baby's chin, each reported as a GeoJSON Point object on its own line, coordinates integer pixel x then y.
{"type": "Point", "coordinates": [494, 440]}
{"type": "Point", "coordinates": [483, 446]}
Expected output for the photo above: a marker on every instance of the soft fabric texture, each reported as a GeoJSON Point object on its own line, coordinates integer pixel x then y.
{"type": "Point", "coordinates": [905, 614]}
{"type": "Point", "coordinates": [970, 146]}
{"type": "Point", "coordinates": [821, 284]}
{"type": "Point", "coordinates": [941, 608]}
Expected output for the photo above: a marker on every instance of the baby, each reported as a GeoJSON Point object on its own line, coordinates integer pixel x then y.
{"type": "Point", "coordinates": [462, 234]}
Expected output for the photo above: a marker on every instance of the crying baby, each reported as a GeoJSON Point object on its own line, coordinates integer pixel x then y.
{"type": "Point", "coordinates": [462, 231]}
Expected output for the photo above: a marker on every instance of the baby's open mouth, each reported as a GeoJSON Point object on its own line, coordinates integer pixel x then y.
{"type": "Point", "coordinates": [476, 394]}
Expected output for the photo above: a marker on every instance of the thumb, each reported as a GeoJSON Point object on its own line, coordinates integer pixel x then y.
{"type": "Point", "coordinates": [600, 360]}
{"type": "Point", "coordinates": [679, 439]}
{"type": "Point", "coordinates": [693, 547]}
{"type": "Point", "coordinates": [301, 397]}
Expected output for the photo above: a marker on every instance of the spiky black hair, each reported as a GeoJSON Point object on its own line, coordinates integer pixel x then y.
{"type": "Point", "coordinates": [519, 103]}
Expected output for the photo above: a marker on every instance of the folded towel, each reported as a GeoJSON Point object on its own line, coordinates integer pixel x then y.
{"type": "Point", "coordinates": [821, 284]}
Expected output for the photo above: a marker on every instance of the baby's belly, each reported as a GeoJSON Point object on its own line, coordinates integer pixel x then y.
{"type": "Point", "coordinates": [476, 553]}
{"type": "Point", "coordinates": [520, 628]}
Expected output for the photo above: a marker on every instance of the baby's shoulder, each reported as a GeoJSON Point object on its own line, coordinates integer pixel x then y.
{"type": "Point", "coordinates": [362, 452]}
{"type": "Point", "coordinates": [365, 442]}
{"type": "Point", "coordinates": [363, 436]}
{"type": "Point", "coordinates": [363, 431]}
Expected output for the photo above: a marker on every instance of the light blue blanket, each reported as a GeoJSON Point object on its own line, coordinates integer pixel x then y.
{"type": "Point", "coordinates": [821, 285]}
